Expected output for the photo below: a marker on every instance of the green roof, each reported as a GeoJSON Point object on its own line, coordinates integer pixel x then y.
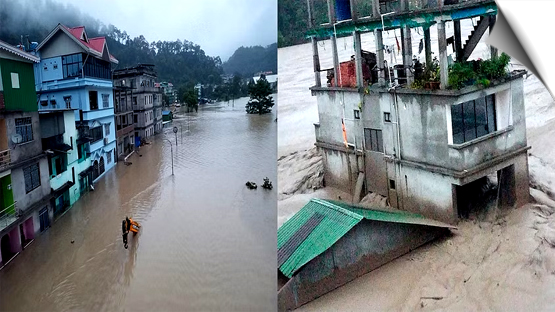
{"type": "Point", "coordinates": [321, 223]}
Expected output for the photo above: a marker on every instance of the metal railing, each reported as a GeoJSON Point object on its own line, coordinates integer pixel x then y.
{"type": "Point", "coordinates": [8, 216]}
{"type": "Point", "coordinates": [5, 159]}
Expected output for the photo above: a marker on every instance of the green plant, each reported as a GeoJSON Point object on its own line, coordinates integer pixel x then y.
{"type": "Point", "coordinates": [495, 67]}
{"type": "Point", "coordinates": [460, 74]}
{"type": "Point", "coordinates": [483, 82]}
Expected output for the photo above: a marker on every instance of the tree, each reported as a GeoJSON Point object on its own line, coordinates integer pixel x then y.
{"type": "Point", "coordinates": [261, 102]}
{"type": "Point", "coordinates": [190, 99]}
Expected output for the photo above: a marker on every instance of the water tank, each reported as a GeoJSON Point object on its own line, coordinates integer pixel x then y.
{"type": "Point", "coordinates": [342, 10]}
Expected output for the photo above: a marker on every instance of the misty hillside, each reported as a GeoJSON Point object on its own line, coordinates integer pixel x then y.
{"type": "Point", "coordinates": [184, 63]}
{"type": "Point", "coordinates": [249, 60]}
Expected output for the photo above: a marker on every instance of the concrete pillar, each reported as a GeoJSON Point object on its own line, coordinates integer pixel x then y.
{"type": "Point", "coordinates": [458, 39]}
{"type": "Point", "coordinates": [354, 15]}
{"type": "Point", "coordinates": [358, 59]}
{"type": "Point", "coordinates": [443, 65]}
{"type": "Point", "coordinates": [315, 56]}
{"type": "Point", "coordinates": [332, 19]}
{"type": "Point", "coordinates": [407, 54]}
{"type": "Point", "coordinates": [380, 56]}
{"type": "Point", "coordinates": [376, 8]}
{"type": "Point", "coordinates": [427, 46]}
{"type": "Point", "coordinates": [316, 61]}
{"type": "Point", "coordinates": [493, 50]}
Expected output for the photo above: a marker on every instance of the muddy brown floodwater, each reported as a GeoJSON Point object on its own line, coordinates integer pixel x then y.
{"type": "Point", "coordinates": [206, 243]}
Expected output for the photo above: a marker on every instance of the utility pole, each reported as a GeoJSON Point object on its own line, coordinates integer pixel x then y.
{"type": "Point", "coordinates": [171, 149]}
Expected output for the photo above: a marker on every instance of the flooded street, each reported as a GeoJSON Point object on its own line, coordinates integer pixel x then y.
{"type": "Point", "coordinates": [206, 242]}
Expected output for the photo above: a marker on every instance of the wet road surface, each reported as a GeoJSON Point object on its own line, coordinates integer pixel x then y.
{"type": "Point", "coordinates": [206, 242]}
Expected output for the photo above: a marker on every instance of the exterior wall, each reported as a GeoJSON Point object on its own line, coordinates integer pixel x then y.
{"type": "Point", "coordinates": [25, 200]}
{"type": "Point", "coordinates": [24, 97]}
{"type": "Point", "coordinates": [59, 44]}
{"type": "Point", "coordinates": [49, 69]}
{"type": "Point", "coordinates": [425, 127]}
{"type": "Point", "coordinates": [429, 162]}
{"type": "Point", "coordinates": [23, 151]}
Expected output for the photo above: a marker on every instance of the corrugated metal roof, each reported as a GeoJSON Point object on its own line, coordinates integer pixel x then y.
{"type": "Point", "coordinates": [321, 223]}
{"type": "Point", "coordinates": [335, 223]}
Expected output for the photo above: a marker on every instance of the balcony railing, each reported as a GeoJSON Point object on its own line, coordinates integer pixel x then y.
{"type": "Point", "coordinates": [4, 159]}
{"type": "Point", "coordinates": [8, 216]}
{"type": "Point", "coordinates": [125, 130]}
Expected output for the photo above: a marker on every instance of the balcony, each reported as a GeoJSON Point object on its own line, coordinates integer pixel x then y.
{"type": "Point", "coordinates": [125, 130]}
{"type": "Point", "coordinates": [53, 105]}
{"type": "Point", "coordinates": [98, 113]}
{"type": "Point", "coordinates": [57, 182]}
{"type": "Point", "coordinates": [8, 216]}
{"type": "Point", "coordinates": [5, 159]}
{"type": "Point", "coordinates": [83, 135]}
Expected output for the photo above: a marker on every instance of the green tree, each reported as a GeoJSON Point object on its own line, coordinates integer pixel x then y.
{"type": "Point", "coordinates": [261, 102]}
{"type": "Point", "coordinates": [190, 99]}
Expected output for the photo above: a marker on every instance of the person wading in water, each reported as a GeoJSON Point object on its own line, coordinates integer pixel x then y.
{"type": "Point", "coordinates": [125, 224]}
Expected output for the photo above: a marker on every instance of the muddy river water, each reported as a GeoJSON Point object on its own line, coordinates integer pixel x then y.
{"type": "Point", "coordinates": [206, 243]}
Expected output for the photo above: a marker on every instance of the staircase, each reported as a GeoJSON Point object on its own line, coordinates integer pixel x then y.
{"type": "Point", "coordinates": [475, 36]}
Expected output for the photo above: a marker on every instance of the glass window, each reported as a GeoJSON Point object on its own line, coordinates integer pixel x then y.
{"type": "Point", "coordinates": [31, 175]}
{"type": "Point", "coordinates": [373, 140]}
{"type": "Point", "coordinates": [24, 127]}
{"type": "Point", "coordinates": [473, 119]}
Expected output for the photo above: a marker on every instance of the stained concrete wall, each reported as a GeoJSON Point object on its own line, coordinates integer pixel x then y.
{"type": "Point", "coordinates": [25, 200]}
{"type": "Point", "coordinates": [425, 127]}
{"type": "Point", "coordinates": [337, 173]}
{"type": "Point", "coordinates": [369, 245]}
{"type": "Point", "coordinates": [22, 151]}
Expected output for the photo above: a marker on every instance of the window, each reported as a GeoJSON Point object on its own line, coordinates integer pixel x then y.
{"type": "Point", "coordinates": [387, 117]}
{"type": "Point", "coordinates": [96, 134]}
{"type": "Point", "coordinates": [53, 103]}
{"type": "Point", "coordinates": [135, 117]}
{"type": "Point", "coordinates": [81, 152]}
{"type": "Point", "coordinates": [373, 140]}
{"type": "Point", "coordinates": [67, 99]}
{"type": "Point", "coordinates": [44, 103]}
{"type": "Point", "coordinates": [109, 157]}
{"type": "Point", "coordinates": [392, 184]}
{"type": "Point", "coordinates": [473, 119]}
{"type": "Point", "coordinates": [93, 100]}
{"type": "Point", "coordinates": [134, 101]}
{"type": "Point", "coordinates": [31, 174]}
{"type": "Point", "coordinates": [97, 68]}
{"type": "Point", "coordinates": [107, 129]}
{"type": "Point", "coordinates": [15, 80]}
{"type": "Point", "coordinates": [357, 114]}
{"type": "Point", "coordinates": [105, 100]}
{"type": "Point", "coordinates": [24, 127]}
{"type": "Point", "coordinates": [72, 65]}
{"type": "Point", "coordinates": [58, 165]}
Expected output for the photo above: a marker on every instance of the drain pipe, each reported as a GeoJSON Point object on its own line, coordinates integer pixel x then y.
{"type": "Point", "coordinates": [398, 148]}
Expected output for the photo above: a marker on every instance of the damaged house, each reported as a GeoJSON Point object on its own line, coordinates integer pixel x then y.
{"type": "Point", "coordinates": [414, 133]}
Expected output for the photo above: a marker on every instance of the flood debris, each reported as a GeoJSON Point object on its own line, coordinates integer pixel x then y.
{"type": "Point", "coordinates": [251, 185]}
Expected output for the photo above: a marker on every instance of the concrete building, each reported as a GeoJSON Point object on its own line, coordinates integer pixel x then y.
{"type": "Point", "coordinates": [25, 191]}
{"type": "Point", "coordinates": [125, 128]}
{"type": "Point", "coordinates": [75, 72]}
{"type": "Point", "coordinates": [169, 91]}
{"type": "Point", "coordinates": [425, 150]}
{"type": "Point", "coordinates": [144, 96]}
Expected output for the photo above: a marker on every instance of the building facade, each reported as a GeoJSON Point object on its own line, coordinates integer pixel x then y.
{"type": "Point", "coordinates": [125, 128]}
{"type": "Point", "coordinates": [426, 151]}
{"type": "Point", "coordinates": [25, 190]}
{"type": "Point", "coordinates": [75, 72]}
{"type": "Point", "coordinates": [144, 97]}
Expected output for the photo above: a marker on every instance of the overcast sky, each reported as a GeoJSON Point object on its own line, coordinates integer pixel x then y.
{"type": "Point", "coordinates": [218, 26]}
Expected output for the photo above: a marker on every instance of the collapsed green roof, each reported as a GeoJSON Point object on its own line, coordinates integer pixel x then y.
{"type": "Point", "coordinates": [321, 223]}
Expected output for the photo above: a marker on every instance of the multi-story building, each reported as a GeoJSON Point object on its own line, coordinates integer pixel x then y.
{"type": "Point", "coordinates": [422, 149]}
{"type": "Point", "coordinates": [25, 191]}
{"type": "Point", "coordinates": [125, 128]}
{"type": "Point", "coordinates": [75, 73]}
{"type": "Point", "coordinates": [169, 91]}
{"type": "Point", "coordinates": [143, 96]}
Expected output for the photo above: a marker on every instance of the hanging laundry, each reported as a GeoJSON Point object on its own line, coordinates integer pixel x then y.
{"type": "Point", "coordinates": [420, 46]}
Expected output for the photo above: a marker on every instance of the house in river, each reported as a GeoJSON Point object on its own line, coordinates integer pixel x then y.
{"type": "Point", "coordinates": [426, 150]}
